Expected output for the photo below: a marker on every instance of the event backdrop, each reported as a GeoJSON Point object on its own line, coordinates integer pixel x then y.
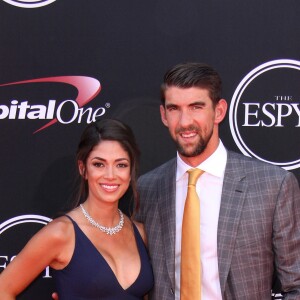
{"type": "Point", "coordinates": [64, 63]}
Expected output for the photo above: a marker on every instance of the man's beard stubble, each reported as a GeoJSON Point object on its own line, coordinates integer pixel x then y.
{"type": "Point", "coordinates": [198, 148]}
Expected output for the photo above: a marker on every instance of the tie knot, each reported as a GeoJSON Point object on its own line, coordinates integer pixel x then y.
{"type": "Point", "coordinates": [194, 174]}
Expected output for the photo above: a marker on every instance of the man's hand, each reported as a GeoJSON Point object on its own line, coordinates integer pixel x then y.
{"type": "Point", "coordinates": [55, 296]}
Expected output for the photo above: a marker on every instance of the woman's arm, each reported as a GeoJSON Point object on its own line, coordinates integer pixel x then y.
{"type": "Point", "coordinates": [45, 248]}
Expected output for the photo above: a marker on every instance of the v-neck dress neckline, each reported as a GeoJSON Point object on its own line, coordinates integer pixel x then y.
{"type": "Point", "coordinates": [89, 276]}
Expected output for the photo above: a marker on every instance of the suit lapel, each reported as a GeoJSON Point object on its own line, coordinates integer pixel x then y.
{"type": "Point", "coordinates": [232, 200]}
{"type": "Point", "coordinates": [167, 211]}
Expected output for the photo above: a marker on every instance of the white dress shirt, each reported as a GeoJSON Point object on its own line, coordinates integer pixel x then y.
{"type": "Point", "coordinates": [209, 189]}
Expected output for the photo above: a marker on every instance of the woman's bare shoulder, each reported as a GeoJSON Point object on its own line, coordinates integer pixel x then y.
{"type": "Point", "coordinates": [59, 229]}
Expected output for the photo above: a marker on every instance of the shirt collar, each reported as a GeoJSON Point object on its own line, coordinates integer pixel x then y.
{"type": "Point", "coordinates": [214, 165]}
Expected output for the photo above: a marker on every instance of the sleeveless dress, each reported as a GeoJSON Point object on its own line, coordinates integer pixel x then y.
{"type": "Point", "coordinates": [89, 277]}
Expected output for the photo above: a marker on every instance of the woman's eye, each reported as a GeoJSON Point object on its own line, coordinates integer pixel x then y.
{"type": "Point", "coordinates": [122, 165]}
{"type": "Point", "coordinates": [98, 164]}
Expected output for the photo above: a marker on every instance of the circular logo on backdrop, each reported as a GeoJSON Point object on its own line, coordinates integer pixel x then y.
{"type": "Point", "coordinates": [264, 113]}
{"type": "Point", "coordinates": [23, 219]}
{"type": "Point", "coordinates": [29, 3]}
{"type": "Point", "coordinates": [14, 234]}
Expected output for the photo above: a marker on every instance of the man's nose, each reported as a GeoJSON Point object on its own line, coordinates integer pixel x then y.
{"type": "Point", "coordinates": [185, 119]}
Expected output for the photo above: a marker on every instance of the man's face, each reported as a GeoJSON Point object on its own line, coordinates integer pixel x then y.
{"type": "Point", "coordinates": [192, 120]}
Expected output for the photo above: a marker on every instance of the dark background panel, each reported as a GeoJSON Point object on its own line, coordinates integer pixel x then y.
{"type": "Point", "coordinates": [127, 46]}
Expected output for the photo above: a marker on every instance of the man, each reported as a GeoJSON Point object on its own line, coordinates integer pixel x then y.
{"type": "Point", "coordinates": [250, 210]}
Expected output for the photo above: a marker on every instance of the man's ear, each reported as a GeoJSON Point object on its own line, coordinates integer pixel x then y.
{"type": "Point", "coordinates": [220, 111]}
{"type": "Point", "coordinates": [163, 115]}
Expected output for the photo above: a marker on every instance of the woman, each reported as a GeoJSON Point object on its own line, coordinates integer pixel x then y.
{"type": "Point", "coordinates": [92, 261]}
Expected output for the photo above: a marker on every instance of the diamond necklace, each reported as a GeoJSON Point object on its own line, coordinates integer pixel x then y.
{"type": "Point", "coordinates": [107, 230]}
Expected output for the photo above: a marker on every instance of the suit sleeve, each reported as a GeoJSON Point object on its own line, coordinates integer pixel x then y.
{"type": "Point", "coordinates": [286, 237]}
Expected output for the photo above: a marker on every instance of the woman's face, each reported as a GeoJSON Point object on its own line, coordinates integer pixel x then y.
{"type": "Point", "coordinates": [107, 171]}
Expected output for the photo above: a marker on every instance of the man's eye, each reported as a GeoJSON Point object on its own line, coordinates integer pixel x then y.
{"type": "Point", "coordinates": [196, 107]}
{"type": "Point", "coordinates": [171, 108]}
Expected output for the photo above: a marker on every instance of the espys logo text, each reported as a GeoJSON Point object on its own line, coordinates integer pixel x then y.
{"type": "Point", "coordinates": [12, 224]}
{"type": "Point", "coordinates": [264, 113]}
{"type": "Point", "coordinates": [29, 3]}
{"type": "Point", "coordinates": [88, 88]}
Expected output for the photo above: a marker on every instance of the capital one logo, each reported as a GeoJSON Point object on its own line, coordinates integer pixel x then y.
{"type": "Point", "coordinates": [12, 237]}
{"type": "Point", "coordinates": [29, 3]}
{"type": "Point", "coordinates": [87, 87]}
{"type": "Point", "coordinates": [264, 113]}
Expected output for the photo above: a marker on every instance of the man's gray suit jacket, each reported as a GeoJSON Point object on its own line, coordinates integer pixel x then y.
{"type": "Point", "coordinates": [258, 229]}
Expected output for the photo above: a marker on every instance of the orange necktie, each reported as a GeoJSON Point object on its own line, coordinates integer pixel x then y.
{"type": "Point", "coordinates": [190, 279]}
